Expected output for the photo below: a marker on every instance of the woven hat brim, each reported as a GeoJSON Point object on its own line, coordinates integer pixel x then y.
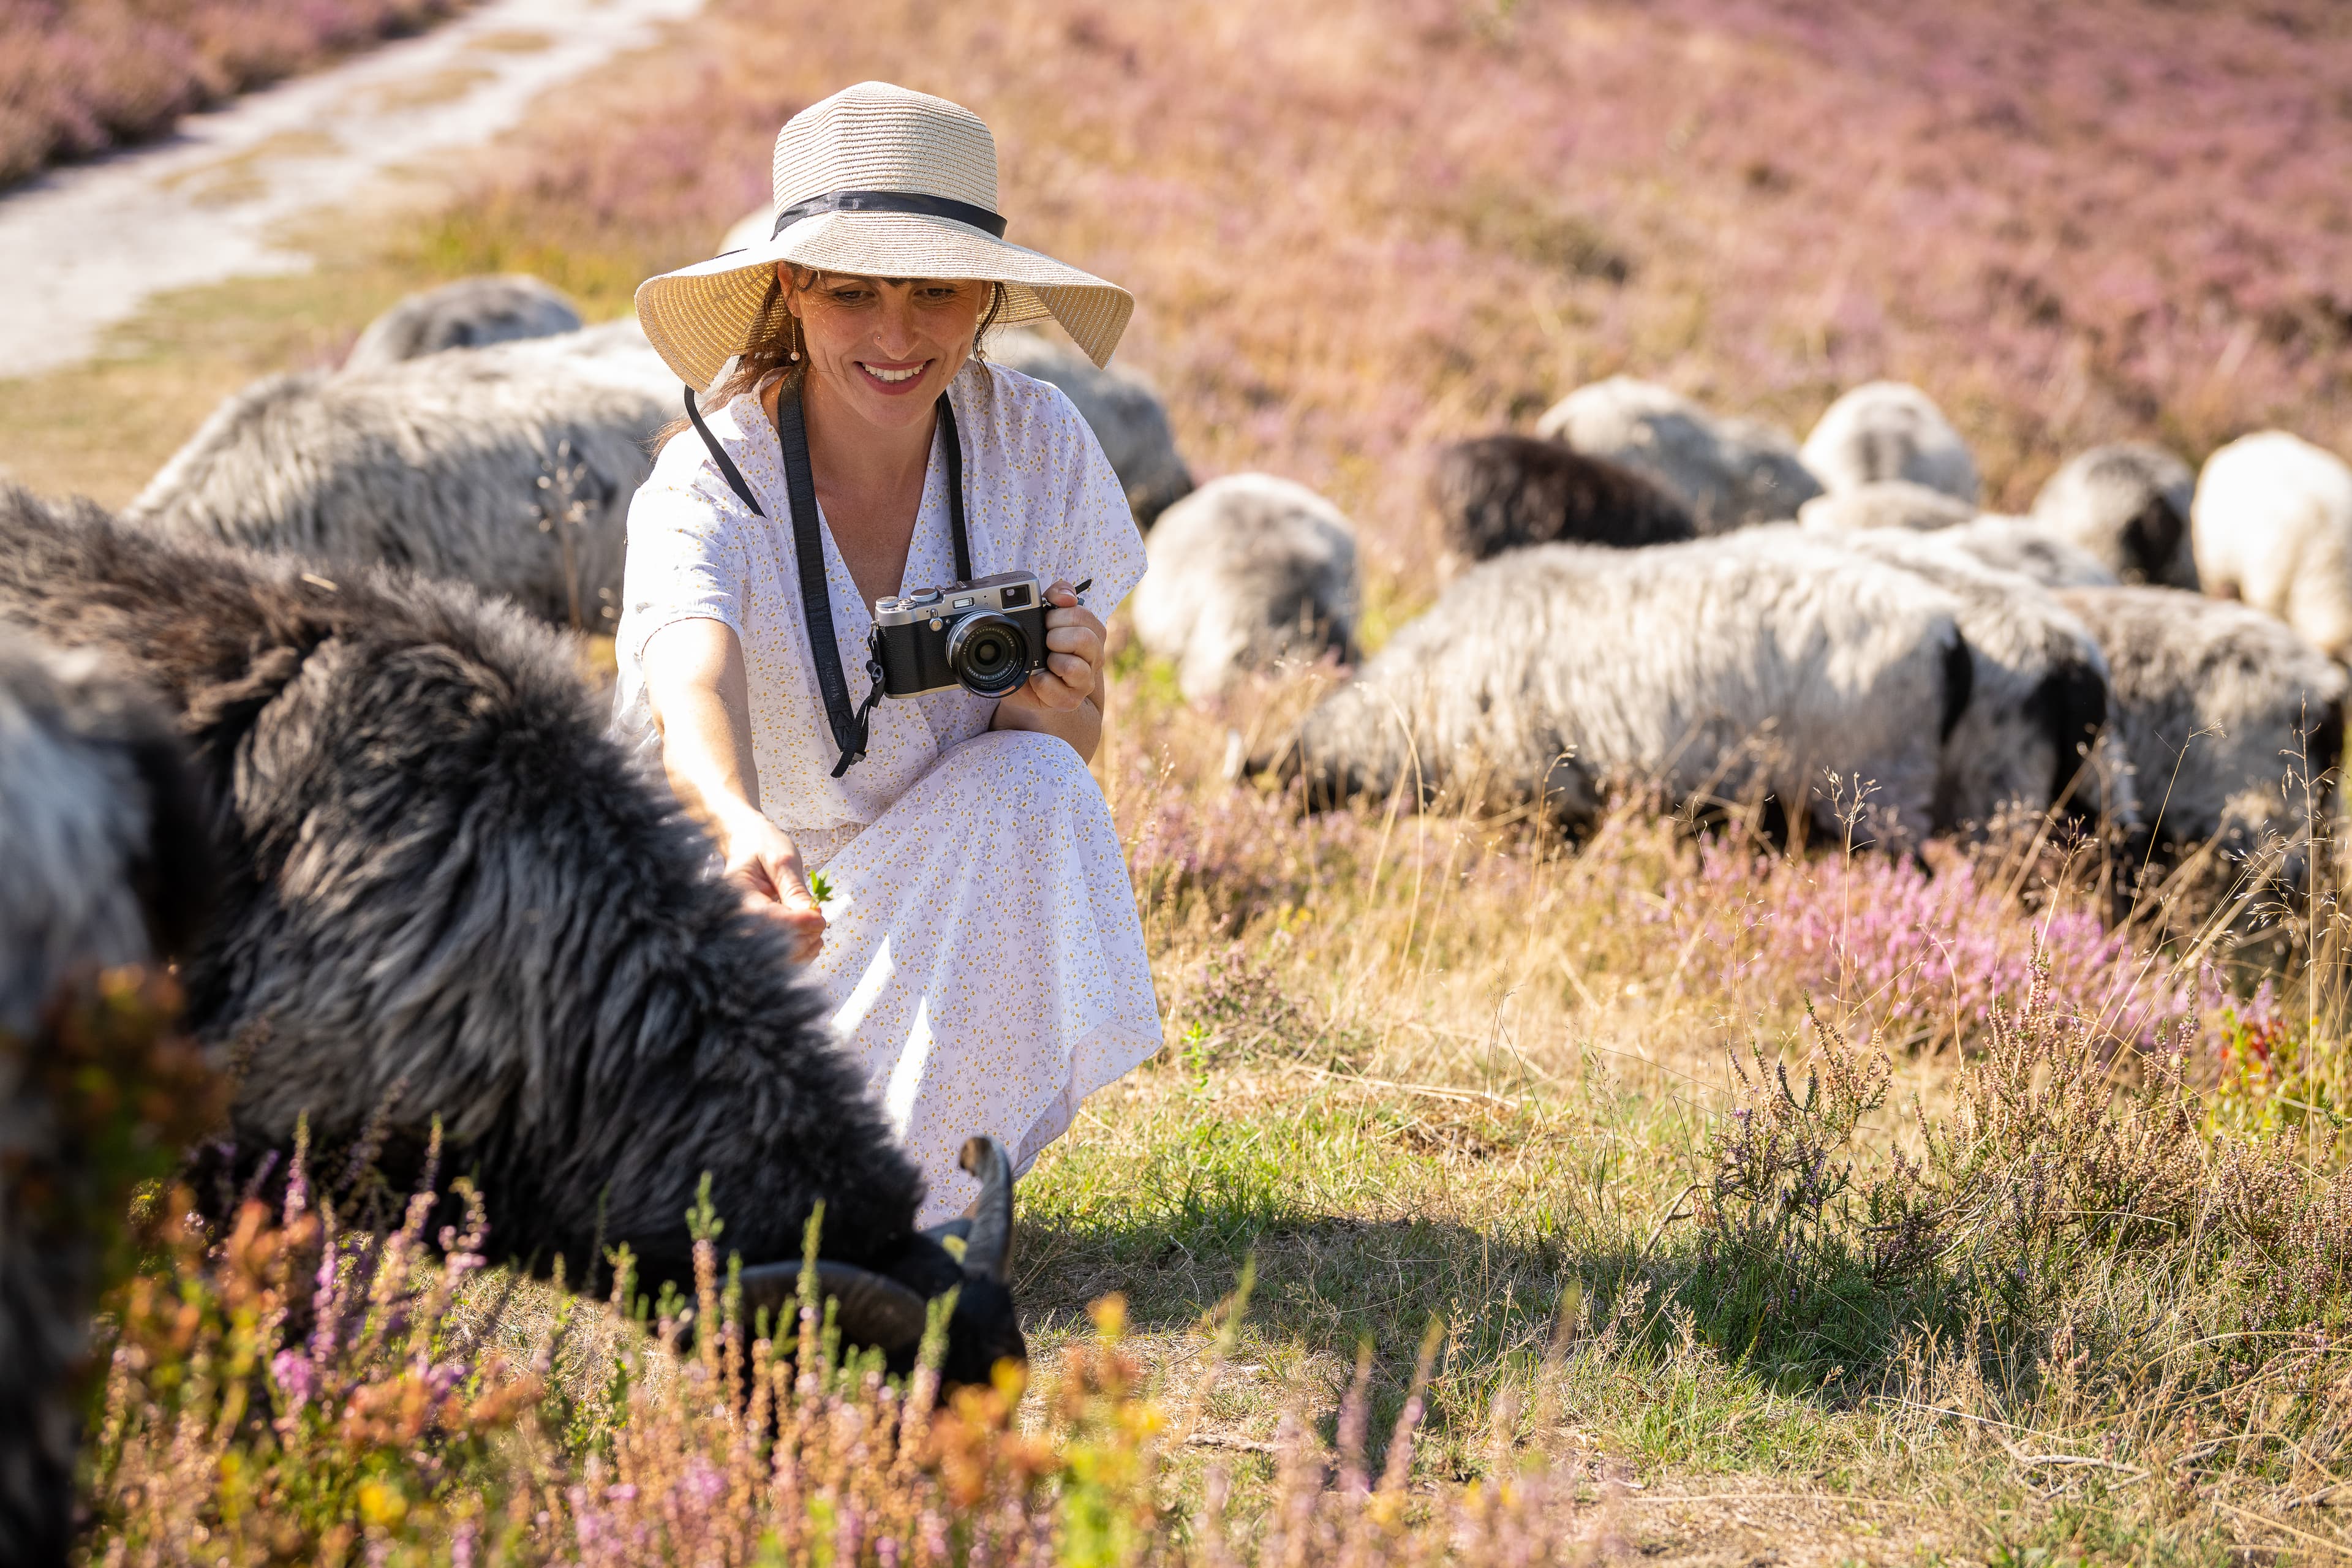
{"type": "Point", "coordinates": [697, 317]}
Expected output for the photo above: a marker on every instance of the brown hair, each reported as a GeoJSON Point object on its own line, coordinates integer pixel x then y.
{"type": "Point", "coordinates": [775, 343]}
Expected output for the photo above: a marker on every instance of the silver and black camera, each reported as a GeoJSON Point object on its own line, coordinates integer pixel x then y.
{"type": "Point", "coordinates": [985, 635]}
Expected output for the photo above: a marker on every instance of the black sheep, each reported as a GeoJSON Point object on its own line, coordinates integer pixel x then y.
{"type": "Point", "coordinates": [447, 892]}
{"type": "Point", "coordinates": [1505, 492]}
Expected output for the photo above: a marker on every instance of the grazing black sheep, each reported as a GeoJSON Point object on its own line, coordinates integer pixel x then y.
{"type": "Point", "coordinates": [1505, 492]}
{"type": "Point", "coordinates": [450, 894]}
{"type": "Point", "coordinates": [103, 842]}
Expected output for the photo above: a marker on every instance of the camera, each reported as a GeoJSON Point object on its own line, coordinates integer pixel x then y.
{"type": "Point", "coordinates": [985, 635]}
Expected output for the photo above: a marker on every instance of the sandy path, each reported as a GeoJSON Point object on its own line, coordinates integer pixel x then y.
{"type": "Point", "coordinates": [82, 248]}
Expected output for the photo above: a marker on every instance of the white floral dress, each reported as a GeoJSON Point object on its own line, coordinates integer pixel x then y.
{"type": "Point", "coordinates": [982, 952]}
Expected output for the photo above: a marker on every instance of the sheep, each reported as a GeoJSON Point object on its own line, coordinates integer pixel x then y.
{"type": "Point", "coordinates": [2227, 715]}
{"type": "Point", "coordinates": [449, 893]}
{"type": "Point", "coordinates": [2272, 524]}
{"type": "Point", "coordinates": [471, 313]}
{"type": "Point", "coordinates": [1122, 410]}
{"type": "Point", "coordinates": [102, 833]}
{"type": "Point", "coordinates": [1246, 572]}
{"type": "Point", "coordinates": [1501, 492]}
{"type": "Point", "coordinates": [1731, 473]}
{"type": "Point", "coordinates": [1889, 430]}
{"type": "Point", "coordinates": [1886, 503]}
{"type": "Point", "coordinates": [1548, 672]}
{"type": "Point", "coordinates": [509, 468]}
{"type": "Point", "coordinates": [2015, 544]}
{"type": "Point", "coordinates": [2126, 505]}
{"type": "Point", "coordinates": [2038, 691]}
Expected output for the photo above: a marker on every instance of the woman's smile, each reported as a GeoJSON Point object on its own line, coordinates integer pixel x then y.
{"type": "Point", "coordinates": [894, 379]}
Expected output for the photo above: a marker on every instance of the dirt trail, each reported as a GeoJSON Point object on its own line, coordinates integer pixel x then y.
{"type": "Point", "coordinates": [81, 247]}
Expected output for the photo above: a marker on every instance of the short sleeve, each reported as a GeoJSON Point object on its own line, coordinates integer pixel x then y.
{"type": "Point", "coordinates": [687, 556]}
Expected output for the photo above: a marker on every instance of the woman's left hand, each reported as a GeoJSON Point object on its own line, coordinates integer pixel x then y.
{"type": "Point", "coordinates": [1074, 643]}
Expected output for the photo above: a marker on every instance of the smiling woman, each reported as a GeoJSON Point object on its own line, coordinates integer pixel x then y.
{"type": "Point", "coordinates": [980, 946]}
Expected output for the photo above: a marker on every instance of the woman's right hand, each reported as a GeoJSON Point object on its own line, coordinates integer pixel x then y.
{"type": "Point", "coordinates": [760, 859]}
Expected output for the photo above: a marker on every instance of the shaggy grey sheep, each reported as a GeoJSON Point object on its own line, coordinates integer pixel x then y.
{"type": "Point", "coordinates": [508, 468]}
{"type": "Point", "coordinates": [1247, 570]}
{"type": "Point", "coordinates": [2225, 714]}
{"type": "Point", "coordinates": [2272, 524]}
{"type": "Point", "coordinates": [2014, 544]}
{"type": "Point", "coordinates": [1886, 503]}
{"type": "Point", "coordinates": [103, 836]}
{"type": "Point", "coordinates": [1731, 473]}
{"type": "Point", "coordinates": [1122, 410]}
{"type": "Point", "coordinates": [449, 894]}
{"type": "Point", "coordinates": [1889, 430]}
{"type": "Point", "coordinates": [1505, 492]}
{"type": "Point", "coordinates": [2038, 692]}
{"type": "Point", "coordinates": [1710, 670]}
{"type": "Point", "coordinates": [2128, 506]}
{"type": "Point", "coordinates": [471, 313]}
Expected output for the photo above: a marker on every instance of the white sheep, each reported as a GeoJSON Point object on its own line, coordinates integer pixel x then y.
{"type": "Point", "coordinates": [2015, 544]}
{"type": "Point", "coordinates": [1889, 430]}
{"type": "Point", "coordinates": [1246, 572]}
{"type": "Point", "coordinates": [1120, 407]}
{"type": "Point", "coordinates": [510, 468]}
{"type": "Point", "coordinates": [2272, 524]}
{"type": "Point", "coordinates": [471, 313]}
{"type": "Point", "coordinates": [2226, 714]}
{"type": "Point", "coordinates": [753, 228]}
{"type": "Point", "coordinates": [1886, 503]}
{"type": "Point", "coordinates": [1710, 670]}
{"type": "Point", "coordinates": [2128, 505]}
{"type": "Point", "coordinates": [1731, 473]}
{"type": "Point", "coordinates": [2039, 697]}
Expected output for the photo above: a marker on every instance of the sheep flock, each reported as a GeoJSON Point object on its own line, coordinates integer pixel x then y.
{"type": "Point", "coordinates": [307, 719]}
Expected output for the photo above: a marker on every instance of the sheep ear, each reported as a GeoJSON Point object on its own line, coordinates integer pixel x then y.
{"type": "Point", "coordinates": [872, 1311]}
{"type": "Point", "coordinates": [959, 1228]}
{"type": "Point", "coordinates": [988, 1249]}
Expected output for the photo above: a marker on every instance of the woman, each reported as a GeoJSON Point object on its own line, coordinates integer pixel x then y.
{"type": "Point", "coordinates": [978, 943]}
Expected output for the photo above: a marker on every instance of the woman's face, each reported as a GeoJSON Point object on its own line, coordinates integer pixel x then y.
{"type": "Point", "coordinates": [887, 347]}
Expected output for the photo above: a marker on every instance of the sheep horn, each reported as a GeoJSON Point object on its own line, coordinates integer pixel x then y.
{"type": "Point", "coordinates": [872, 1311]}
{"type": "Point", "coordinates": [988, 1250]}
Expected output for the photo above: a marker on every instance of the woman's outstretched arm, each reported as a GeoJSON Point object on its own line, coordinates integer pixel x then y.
{"type": "Point", "coordinates": [700, 696]}
{"type": "Point", "coordinates": [1067, 697]}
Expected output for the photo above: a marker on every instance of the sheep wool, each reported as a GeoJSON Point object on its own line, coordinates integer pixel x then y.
{"type": "Point", "coordinates": [450, 895]}
{"type": "Point", "coordinates": [2227, 715]}
{"type": "Point", "coordinates": [508, 468]}
{"type": "Point", "coordinates": [1886, 503]}
{"type": "Point", "coordinates": [2038, 696]}
{"type": "Point", "coordinates": [1122, 410]}
{"type": "Point", "coordinates": [1505, 492]}
{"type": "Point", "coordinates": [2128, 506]}
{"type": "Point", "coordinates": [1711, 671]}
{"type": "Point", "coordinates": [1889, 430]}
{"type": "Point", "coordinates": [2015, 544]}
{"type": "Point", "coordinates": [2272, 524]}
{"type": "Point", "coordinates": [1731, 473]}
{"type": "Point", "coordinates": [471, 313]}
{"type": "Point", "coordinates": [103, 836]}
{"type": "Point", "coordinates": [1246, 571]}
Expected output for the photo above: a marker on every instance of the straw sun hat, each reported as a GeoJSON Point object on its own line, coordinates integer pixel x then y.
{"type": "Point", "coordinates": [882, 183]}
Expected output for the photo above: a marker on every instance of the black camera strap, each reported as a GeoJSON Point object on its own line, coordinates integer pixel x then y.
{"type": "Point", "coordinates": [850, 727]}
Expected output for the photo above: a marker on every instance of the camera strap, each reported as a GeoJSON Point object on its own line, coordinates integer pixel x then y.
{"type": "Point", "coordinates": [850, 727]}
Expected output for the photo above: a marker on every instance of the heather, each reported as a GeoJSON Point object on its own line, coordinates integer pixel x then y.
{"type": "Point", "coordinates": [80, 78]}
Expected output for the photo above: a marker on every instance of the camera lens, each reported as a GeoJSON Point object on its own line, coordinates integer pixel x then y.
{"type": "Point", "coordinates": [989, 653]}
